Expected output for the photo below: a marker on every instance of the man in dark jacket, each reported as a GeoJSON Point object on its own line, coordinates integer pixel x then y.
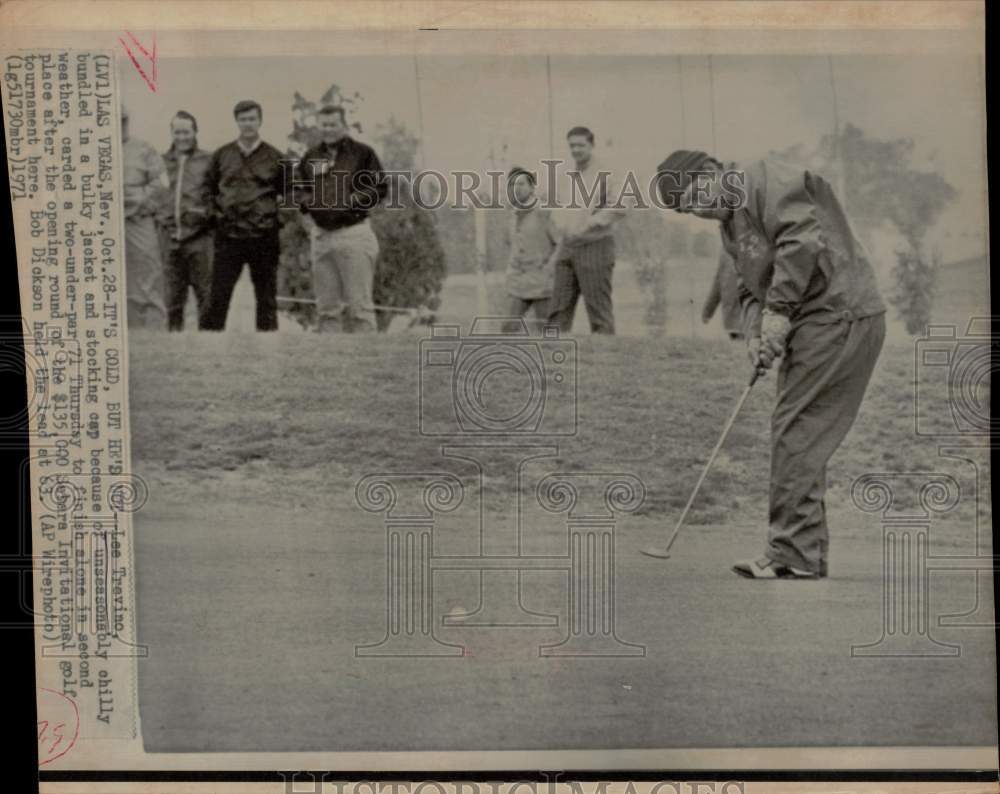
{"type": "Point", "coordinates": [242, 186]}
{"type": "Point", "coordinates": [185, 221]}
{"type": "Point", "coordinates": [809, 296]}
{"type": "Point", "coordinates": [339, 182]}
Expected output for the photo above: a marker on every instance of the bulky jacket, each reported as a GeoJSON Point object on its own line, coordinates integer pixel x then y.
{"type": "Point", "coordinates": [242, 190]}
{"type": "Point", "coordinates": [531, 268]}
{"type": "Point", "coordinates": [183, 213]}
{"type": "Point", "coordinates": [794, 250]}
{"type": "Point", "coordinates": [143, 178]}
{"type": "Point", "coordinates": [337, 189]}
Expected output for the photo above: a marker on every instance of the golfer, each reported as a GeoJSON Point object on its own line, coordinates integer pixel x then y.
{"type": "Point", "coordinates": [808, 297]}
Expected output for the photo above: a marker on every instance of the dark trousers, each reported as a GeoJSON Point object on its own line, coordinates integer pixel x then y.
{"type": "Point", "coordinates": [519, 307]}
{"type": "Point", "coordinates": [821, 383]}
{"type": "Point", "coordinates": [188, 264]}
{"type": "Point", "coordinates": [585, 270]}
{"type": "Point", "coordinates": [261, 255]}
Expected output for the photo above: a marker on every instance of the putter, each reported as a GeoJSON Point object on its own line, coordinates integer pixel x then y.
{"type": "Point", "coordinates": [663, 552]}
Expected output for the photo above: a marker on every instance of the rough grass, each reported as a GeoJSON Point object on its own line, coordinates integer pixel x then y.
{"type": "Point", "coordinates": [294, 405]}
{"type": "Point", "coordinates": [258, 575]}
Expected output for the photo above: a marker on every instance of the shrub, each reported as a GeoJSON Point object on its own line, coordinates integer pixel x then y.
{"type": "Point", "coordinates": [913, 278]}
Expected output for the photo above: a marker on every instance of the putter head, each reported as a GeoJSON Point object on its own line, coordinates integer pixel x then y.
{"type": "Point", "coordinates": [656, 551]}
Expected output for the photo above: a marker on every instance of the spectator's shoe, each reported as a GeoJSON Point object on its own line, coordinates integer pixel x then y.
{"type": "Point", "coordinates": [766, 568]}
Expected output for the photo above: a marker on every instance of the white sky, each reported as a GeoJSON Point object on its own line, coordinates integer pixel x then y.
{"type": "Point", "coordinates": [473, 104]}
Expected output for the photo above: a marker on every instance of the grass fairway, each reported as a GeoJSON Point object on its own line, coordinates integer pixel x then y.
{"type": "Point", "coordinates": [258, 573]}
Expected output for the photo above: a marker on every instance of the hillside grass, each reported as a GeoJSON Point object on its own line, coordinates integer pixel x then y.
{"type": "Point", "coordinates": [301, 407]}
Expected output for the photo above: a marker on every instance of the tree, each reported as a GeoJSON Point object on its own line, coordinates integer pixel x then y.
{"type": "Point", "coordinates": [648, 241]}
{"type": "Point", "coordinates": [411, 265]}
{"type": "Point", "coordinates": [881, 187]}
{"type": "Point", "coordinates": [398, 145]}
{"type": "Point", "coordinates": [913, 278]}
{"type": "Point", "coordinates": [915, 273]}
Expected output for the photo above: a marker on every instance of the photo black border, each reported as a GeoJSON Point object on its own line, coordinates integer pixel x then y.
{"type": "Point", "coordinates": [22, 772]}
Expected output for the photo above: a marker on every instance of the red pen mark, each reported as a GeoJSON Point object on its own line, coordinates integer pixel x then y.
{"type": "Point", "coordinates": [58, 725]}
{"type": "Point", "coordinates": [148, 54]}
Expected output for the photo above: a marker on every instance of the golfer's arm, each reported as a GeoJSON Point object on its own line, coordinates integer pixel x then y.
{"type": "Point", "coordinates": [797, 242]}
{"type": "Point", "coordinates": [749, 309]}
{"type": "Point", "coordinates": [749, 305]}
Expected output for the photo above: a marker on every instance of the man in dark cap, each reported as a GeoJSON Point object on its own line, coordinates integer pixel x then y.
{"type": "Point", "coordinates": [809, 297]}
{"type": "Point", "coordinates": [533, 251]}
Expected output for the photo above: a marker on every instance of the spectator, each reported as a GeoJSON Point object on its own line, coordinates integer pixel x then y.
{"type": "Point", "coordinates": [587, 251]}
{"type": "Point", "coordinates": [144, 181]}
{"type": "Point", "coordinates": [241, 190]}
{"type": "Point", "coordinates": [533, 251]}
{"type": "Point", "coordinates": [341, 181]}
{"type": "Point", "coordinates": [185, 221]}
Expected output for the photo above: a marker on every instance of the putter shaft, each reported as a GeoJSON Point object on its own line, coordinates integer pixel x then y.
{"type": "Point", "coordinates": [711, 458]}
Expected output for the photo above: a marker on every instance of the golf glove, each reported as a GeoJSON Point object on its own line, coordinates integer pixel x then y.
{"type": "Point", "coordinates": [760, 356]}
{"type": "Point", "coordinates": [774, 329]}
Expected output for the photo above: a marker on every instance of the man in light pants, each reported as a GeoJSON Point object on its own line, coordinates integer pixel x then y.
{"type": "Point", "coordinates": [587, 238]}
{"type": "Point", "coordinates": [339, 182]}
